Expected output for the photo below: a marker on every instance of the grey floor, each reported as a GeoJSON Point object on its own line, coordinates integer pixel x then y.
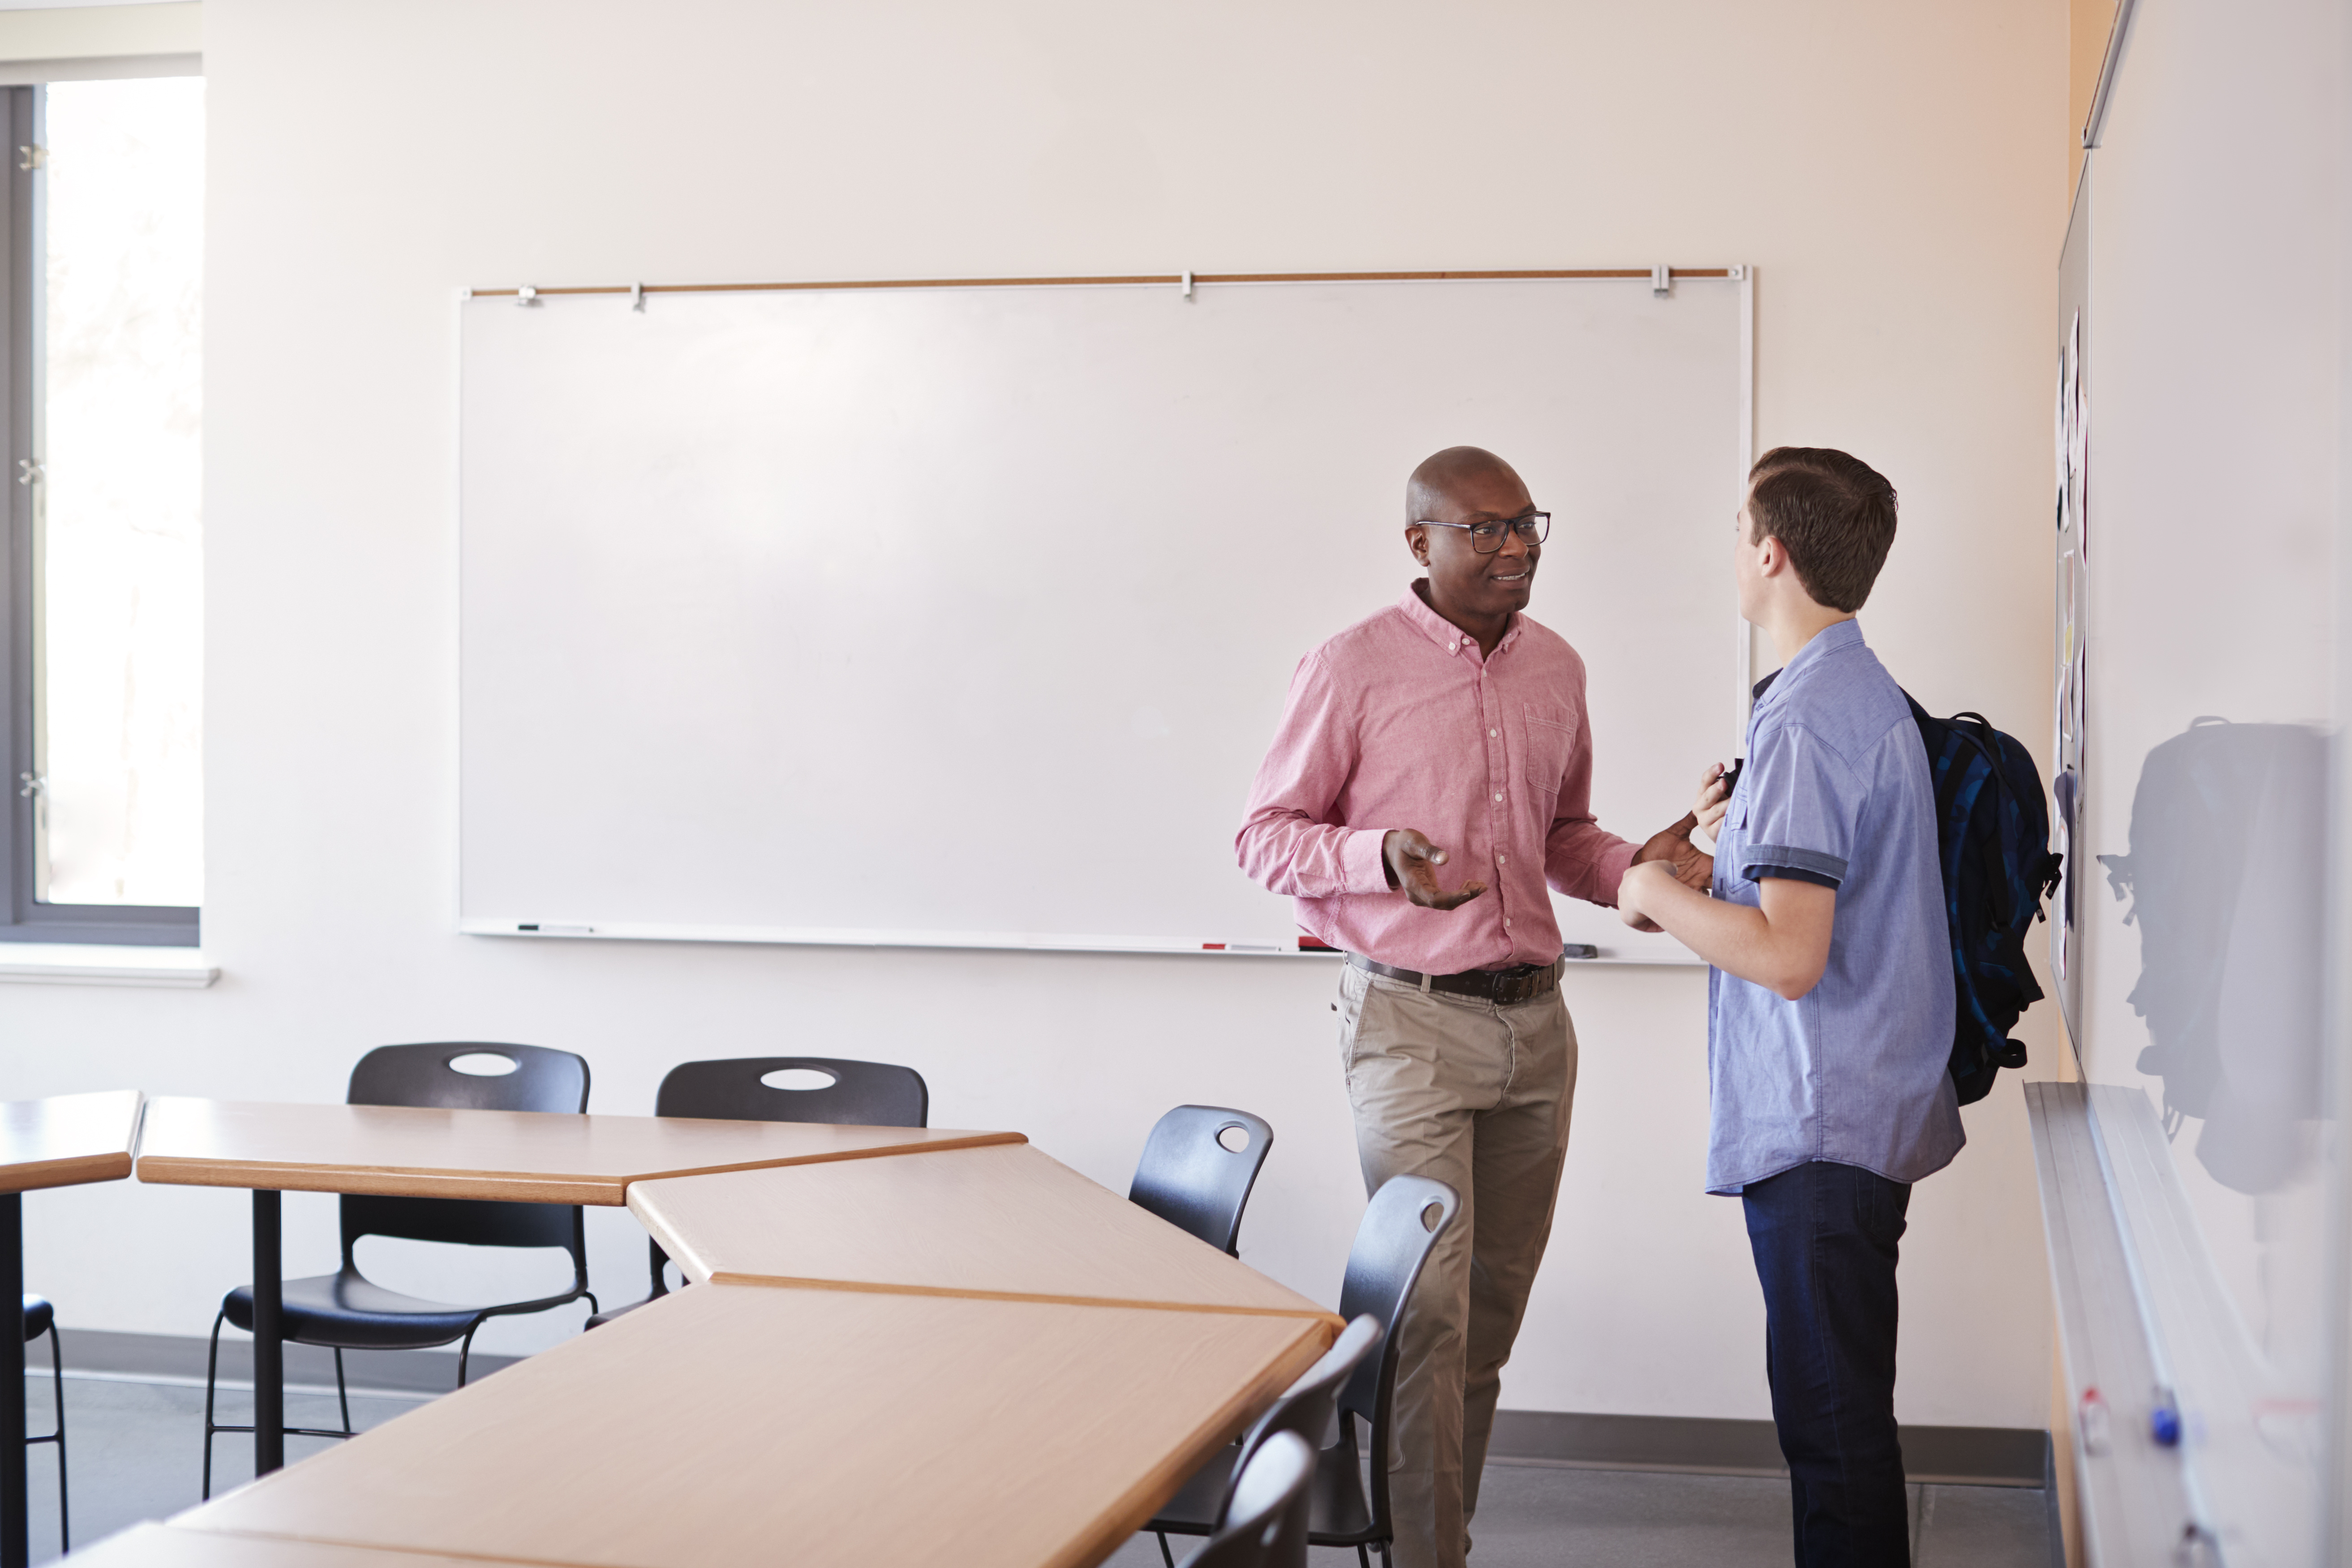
{"type": "Point", "coordinates": [137, 1449]}
{"type": "Point", "coordinates": [137, 1454]}
{"type": "Point", "coordinates": [1540, 1516]}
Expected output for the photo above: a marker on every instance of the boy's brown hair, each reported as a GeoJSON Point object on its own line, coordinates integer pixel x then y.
{"type": "Point", "coordinates": [1833, 512]}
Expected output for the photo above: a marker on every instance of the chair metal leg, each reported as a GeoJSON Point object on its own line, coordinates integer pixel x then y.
{"type": "Point", "coordinates": [1165, 1556]}
{"type": "Point", "coordinates": [464, 1350]}
{"type": "Point", "coordinates": [343, 1397]}
{"type": "Point", "coordinates": [57, 1383]}
{"type": "Point", "coordinates": [1364, 1558]}
{"type": "Point", "coordinates": [211, 1366]}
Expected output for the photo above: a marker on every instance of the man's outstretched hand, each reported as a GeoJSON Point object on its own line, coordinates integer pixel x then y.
{"type": "Point", "coordinates": [1412, 861]}
{"type": "Point", "coordinates": [1692, 866]}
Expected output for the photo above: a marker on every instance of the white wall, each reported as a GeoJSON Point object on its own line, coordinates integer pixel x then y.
{"type": "Point", "coordinates": [1897, 171]}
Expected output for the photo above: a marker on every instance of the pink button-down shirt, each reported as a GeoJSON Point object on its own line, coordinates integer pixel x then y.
{"type": "Point", "coordinates": [1398, 722]}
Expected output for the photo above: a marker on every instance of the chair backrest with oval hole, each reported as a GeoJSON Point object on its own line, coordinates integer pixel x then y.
{"type": "Point", "coordinates": [1267, 1525]}
{"type": "Point", "coordinates": [465, 1075]}
{"type": "Point", "coordinates": [1197, 1170]}
{"type": "Point", "coordinates": [1400, 1227]}
{"type": "Point", "coordinates": [832, 1089]}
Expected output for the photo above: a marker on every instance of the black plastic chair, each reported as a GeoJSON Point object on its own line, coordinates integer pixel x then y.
{"type": "Point", "coordinates": [1307, 1408]}
{"type": "Point", "coordinates": [345, 1309]}
{"type": "Point", "coordinates": [861, 1094]}
{"type": "Point", "coordinates": [41, 1318]}
{"type": "Point", "coordinates": [1268, 1526]}
{"type": "Point", "coordinates": [1400, 1227]}
{"type": "Point", "coordinates": [1189, 1178]}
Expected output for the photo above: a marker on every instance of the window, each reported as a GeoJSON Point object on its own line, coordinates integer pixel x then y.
{"type": "Point", "coordinates": [103, 573]}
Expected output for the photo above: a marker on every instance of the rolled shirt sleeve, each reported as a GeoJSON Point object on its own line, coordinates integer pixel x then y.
{"type": "Point", "coordinates": [1804, 803]}
{"type": "Point", "coordinates": [1288, 842]}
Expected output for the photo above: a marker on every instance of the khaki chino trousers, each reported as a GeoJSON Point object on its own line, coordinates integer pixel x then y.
{"type": "Point", "coordinates": [1476, 1096]}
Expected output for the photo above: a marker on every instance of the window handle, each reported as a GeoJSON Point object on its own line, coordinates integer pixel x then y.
{"type": "Point", "coordinates": [28, 472]}
{"type": "Point", "coordinates": [31, 784]}
{"type": "Point", "coordinates": [31, 158]}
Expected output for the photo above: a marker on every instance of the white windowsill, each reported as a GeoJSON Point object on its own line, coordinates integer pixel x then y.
{"type": "Point", "coordinates": [73, 963]}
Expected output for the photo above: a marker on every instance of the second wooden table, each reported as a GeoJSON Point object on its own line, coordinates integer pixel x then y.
{"type": "Point", "coordinates": [407, 1151]}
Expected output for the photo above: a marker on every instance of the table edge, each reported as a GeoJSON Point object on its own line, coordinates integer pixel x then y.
{"type": "Point", "coordinates": [69, 1170]}
{"type": "Point", "coordinates": [870, 1287]}
{"type": "Point", "coordinates": [189, 1171]}
{"type": "Point", "coordinates": [515, 1186]}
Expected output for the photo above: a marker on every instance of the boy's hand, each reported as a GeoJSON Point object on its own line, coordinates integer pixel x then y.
{"type": "Point", "coordinates": [1642, 881]}
{"type": "Point", "coordinates": [1412, 863]}
{"type": "Point", "coordinates": [1714, 798]}
{"type": "Point", "coordinates": [1692, 866]}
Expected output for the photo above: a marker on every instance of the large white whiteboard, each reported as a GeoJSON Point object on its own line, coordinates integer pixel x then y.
{"type": "Point", "coordinates": [962, 615]}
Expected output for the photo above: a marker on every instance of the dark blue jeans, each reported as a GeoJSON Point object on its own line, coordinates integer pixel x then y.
{"type": "Point", "coordinates": [1824, 1238]}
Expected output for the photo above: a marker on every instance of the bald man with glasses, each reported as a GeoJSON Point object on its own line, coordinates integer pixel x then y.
{"type": "Point", "coordinates": [1444, 738]}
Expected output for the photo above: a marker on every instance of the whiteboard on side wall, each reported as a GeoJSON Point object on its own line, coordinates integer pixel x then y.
{"type": "Point", "coordinates": [962, 615]}
{"type": "Point", "coordinates": [2209, 839]}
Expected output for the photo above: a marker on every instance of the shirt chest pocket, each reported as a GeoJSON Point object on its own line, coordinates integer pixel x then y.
{"type": "Point", "coordinates": [1546, 739]}
{"type": "Point", "coordinates": [1733, 829]}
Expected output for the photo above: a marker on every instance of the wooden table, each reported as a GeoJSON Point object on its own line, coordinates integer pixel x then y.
{"type": "Point", "coordinates": [165, 1546]}
{"type": "Point", "coordinates": [408, 1152]}
{"type": "Point", "coordinates": [1006, 1221]}
{"type": "Point", "coordinates": [738, 1425]}
{"type": "Point", "coordinates": [63, 1141]}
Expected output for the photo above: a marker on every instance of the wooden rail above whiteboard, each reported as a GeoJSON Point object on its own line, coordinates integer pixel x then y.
{"type": "Point", "coordinates": [1174, 279]}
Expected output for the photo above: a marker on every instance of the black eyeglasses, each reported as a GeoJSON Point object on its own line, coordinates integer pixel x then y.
{"type": "Point", "coordinates": [1487, 538]}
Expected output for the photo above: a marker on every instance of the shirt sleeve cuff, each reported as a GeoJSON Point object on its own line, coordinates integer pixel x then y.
{"type": "Point", "coordinates": [1790, 873]}
{"type": "Point", "coordinates": [1610, 869]}
{"type": "Point", "coordinates": [1767, 859]}
{"type": "Point", "coordinates": [1361, 861]}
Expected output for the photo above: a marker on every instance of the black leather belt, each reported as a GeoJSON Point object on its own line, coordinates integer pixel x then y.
{"type": "Point", "coordinates": [1504, 987]}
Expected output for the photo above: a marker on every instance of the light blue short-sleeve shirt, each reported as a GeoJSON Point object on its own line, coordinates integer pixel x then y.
{"type": "Point", "coordinates": [1855, 1071]}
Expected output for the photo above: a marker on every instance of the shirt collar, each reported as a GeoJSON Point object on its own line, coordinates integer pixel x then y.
{"type": "Point", "coordinates": [1829, 639]}
{"type": "Point", "coordinates": [1444, 633]}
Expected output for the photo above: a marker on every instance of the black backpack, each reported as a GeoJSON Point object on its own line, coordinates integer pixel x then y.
{"type": "Point", "coordinates": [1993, 838]}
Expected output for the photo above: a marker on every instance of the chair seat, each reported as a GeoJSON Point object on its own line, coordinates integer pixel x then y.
{"type": "Point", "coordinates": [602, 1318]}
{"type": "Point", "coordinates": [39, 1316]}
{"type": "Point", "coordinates": [346, 1310]}
{"type": "Point", "coordinates": [1339, 1515]}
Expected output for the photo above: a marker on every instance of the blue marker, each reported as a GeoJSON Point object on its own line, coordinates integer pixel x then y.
{"type": "Point", "coordinates": [2164, 1421]}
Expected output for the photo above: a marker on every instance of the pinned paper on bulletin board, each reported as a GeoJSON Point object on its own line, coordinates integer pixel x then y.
{"type": "Point", "coordinates": [2062, 782]}
{"type": "Point", "coordinates": [2072, 451]}
{"type": "Point", "coordinates": [2077, 451]}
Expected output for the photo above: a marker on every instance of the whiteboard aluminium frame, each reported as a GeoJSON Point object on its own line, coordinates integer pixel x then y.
{"type": "Point", "coordinates": [1662, 279]}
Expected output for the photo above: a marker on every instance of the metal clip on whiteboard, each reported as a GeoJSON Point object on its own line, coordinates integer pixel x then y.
{"type": "Point", "coordinates": [1662, 281]}
{"type": "Point", "coordinates": [637, 298]}
{"type": "Point", "coordinates": [1188, 282]}
{"type": "Point", "coordinates": [526, 295]}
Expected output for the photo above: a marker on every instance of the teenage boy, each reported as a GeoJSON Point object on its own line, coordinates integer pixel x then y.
{"type": "Point", "coordinates": [1829, 1005]}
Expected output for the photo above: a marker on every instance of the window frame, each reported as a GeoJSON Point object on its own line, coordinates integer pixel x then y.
{"type": "Point", "coordinates": [23, 918]}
